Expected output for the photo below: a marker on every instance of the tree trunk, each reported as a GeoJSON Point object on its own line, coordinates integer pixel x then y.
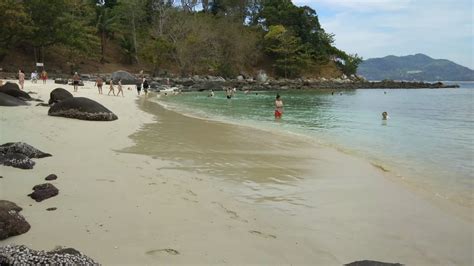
{"type": "Point", "coordinates": [102, 47]}
{"type": "Point", "coordinates": [134, 34]}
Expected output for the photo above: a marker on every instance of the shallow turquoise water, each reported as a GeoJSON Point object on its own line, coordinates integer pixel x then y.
{"type": "Point", "coordinates": [429, 138]}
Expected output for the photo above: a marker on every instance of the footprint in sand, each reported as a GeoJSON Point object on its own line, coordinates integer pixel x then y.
{"type": "Point", "coordinates": [166, 251]}
{"type": "Point", "coordinates": [190, 192]}
{"type": "Point", "coordinates": [195, 201]}
{"type": "Point", "coordinates": [258, 233]}
{"type": "Point", "coordinates": [106, 180]}
{"type": "Point", "coordinates": [231, 213]}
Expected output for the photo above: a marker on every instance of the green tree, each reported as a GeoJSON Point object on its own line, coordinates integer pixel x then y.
{"type": "Point", "coordinates": [59, 22]}
{"type": "Point", "coordinates": [131, 15]}
{"type": "Point", "coordinates": [106, 24]}
{"type": "Point", "coordinates": [287, 51]}
{"type": "Point", "coordinates": [16, 24]}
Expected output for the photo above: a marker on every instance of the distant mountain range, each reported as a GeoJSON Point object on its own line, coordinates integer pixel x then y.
{"type": "Point", "coordinates": [413, 67]}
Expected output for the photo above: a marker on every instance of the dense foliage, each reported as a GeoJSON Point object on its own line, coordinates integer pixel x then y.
{"type": "Point", "coordinates": [224, 37]}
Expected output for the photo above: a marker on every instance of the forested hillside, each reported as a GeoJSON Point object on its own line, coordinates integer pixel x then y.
{"type": "Point", "coordinates": [187, 37]}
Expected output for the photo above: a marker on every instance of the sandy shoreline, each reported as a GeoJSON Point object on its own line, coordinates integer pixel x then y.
{"type": "Point", "coordinates": [126, 208]}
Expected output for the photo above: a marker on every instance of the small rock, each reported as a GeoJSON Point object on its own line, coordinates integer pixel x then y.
{"type": "Point", "coordinates": [51, 209]}
{"type": "Point", "coordinates": [51, 177]}
{"type": "Point", "coordinates": [44, 191]}
{"type": "Point", "coordinates": [372, 263]}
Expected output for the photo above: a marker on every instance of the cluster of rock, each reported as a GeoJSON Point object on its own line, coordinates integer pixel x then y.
{"type": "Point", "coordinates": [260, 82]}
{"type": "Point", "coordinates": [21, 255]}
{"type": "Point", "coordinates": [197, 83]}
{"type": "Point", "coordinates": [20, 155]}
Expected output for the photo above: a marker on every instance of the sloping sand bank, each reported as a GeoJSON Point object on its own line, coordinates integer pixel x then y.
{"type": "Point", "coordinates": [211, 193]}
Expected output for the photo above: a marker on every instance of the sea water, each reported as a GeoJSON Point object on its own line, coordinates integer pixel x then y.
{"type": "Point", "coordinates": [427, 140]}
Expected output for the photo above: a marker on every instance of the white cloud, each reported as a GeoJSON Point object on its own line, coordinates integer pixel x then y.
{"type": "Point", "coordinates": [359, 5]}
{"type": "Point", "coordinates": [438, 28]}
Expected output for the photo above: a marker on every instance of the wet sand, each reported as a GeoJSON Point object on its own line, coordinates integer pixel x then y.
{"type": "Point", "coordinates": [182, 190]}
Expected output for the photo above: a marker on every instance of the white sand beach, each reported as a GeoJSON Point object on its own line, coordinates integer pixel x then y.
{"type": "Point", "coordinates": [326, 207]}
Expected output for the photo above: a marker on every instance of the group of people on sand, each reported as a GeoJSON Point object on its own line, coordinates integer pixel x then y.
{"type": "Point", "coordinates": [100, 83]}
{"type": "Point", "coordinates": [112, 84]}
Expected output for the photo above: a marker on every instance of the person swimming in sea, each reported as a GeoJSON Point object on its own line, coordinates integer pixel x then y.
{"type": "Point", "coordinates": [211, 93]}
{"type": "Point", "coordinates": [385, 116]}
{"type": "Point", "coordinates": [278, 107]}
{"type": "Point", "coordinates": [229, 93]}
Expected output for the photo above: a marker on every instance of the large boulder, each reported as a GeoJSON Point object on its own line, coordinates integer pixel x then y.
{"type": "Point", "coordinates": [82, 108]}
{"type": "Point", "coordinates": [11, 222]}
{"type": "Point", "coordinates": [43, 191]}
{"type": "Point", "coordinates": [21, 255]}
{"type": "Point", "coordinates": [16, 160]}
{"type": "Point", "coordinates": [8, 100]}
{"type": "Point", "coordinates": [22, 148]}
{"type": "Point", "coordinates": [12, 89]}
{"type": "Point", "coordinates": [127, 78]}
{"type": "Point", "coordinates": [58, 95]}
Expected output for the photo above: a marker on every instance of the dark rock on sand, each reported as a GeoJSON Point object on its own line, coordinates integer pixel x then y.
{"type": "Point", "coordinates": [51, 209]}
{"type": "Point", "coordinates": [12, 89]}
{"type": "Point", "coordinates": [60, 81]}
{"type": "Point", "coordinates": [22, 148]}
{"type": "Point", "coordinates": [127, 78]}
{"type": "Point", "coordinates": [44, 191]}
{"type": "Point", "coordinates": [58, 95]}
{"type": "Point", "coordinates": [11, 222]}
{"type": "Point", "coordinates": [8, 100]}
{"type": "Point", "coordinates": [16, 160]}
{"type": "Point", "coordinates": [51, 177]}
{"type": "Point", "coordinates": [82, 108]}
{"type": "Point", "coordinates": [21, 255]}
{"type": "Point", "coordinates": [372, 263]}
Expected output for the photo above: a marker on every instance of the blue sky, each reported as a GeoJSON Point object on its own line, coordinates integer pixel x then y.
{"type": "Point", "coordinates": [442, 29]}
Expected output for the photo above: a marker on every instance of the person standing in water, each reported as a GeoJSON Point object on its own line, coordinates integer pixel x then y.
{"type": "Point", "coordinates": [145, 86]}
{"type": "Point", "coordinates": [278, 107]}
{"type": "Point", "coordinates": [385, 116]}
{"type": "Point", "coordinates": [21, 78]}
{"type": "Point", "coordinates": [75, 81]}
{"type": "Point", "coordinates": [111, 87]}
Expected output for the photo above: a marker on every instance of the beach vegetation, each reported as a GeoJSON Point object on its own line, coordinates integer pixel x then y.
{"type": "Point", "coordinates": [189, 37]}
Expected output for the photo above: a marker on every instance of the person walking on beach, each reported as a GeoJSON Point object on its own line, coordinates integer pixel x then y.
{"type": "Point", "coordinates": [119, 88]}
{"type": "Point", "coordinates": [278, 107]}
{"type": "Point", "coordinates": [111, 87]}
{"type": "Point", "coordinates": [21, 78]}
{"type": "Point", "coordinates": [145, 86]}
{"type": "Point", "coordinates": [44, 76]}
{"type": "Point", "coordinates": [75, 81]}
{"type": "Point", "coordinates": [99, 82]}
{"type": "Point", "coordinates": [34, 77]}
